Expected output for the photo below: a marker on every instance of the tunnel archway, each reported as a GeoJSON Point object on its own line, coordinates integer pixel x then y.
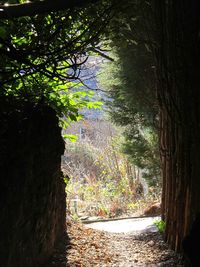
{"type": "Point", "coordinates": [177, 68]}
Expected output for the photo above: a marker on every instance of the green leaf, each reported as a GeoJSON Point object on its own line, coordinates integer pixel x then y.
{"type": "Point", "coordinates": [73, 138]}
{"type": "Point", "coordinates": [73, 117]}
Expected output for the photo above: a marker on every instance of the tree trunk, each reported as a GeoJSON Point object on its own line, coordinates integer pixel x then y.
{"type": "Point", "coordinates": [178, 85]}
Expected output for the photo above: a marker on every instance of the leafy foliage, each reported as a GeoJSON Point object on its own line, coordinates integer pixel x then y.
{"type": "Point", "coordinates": [54, 45]}
{"type": "Point", "coordinates": [131, 85]}
{"type": "Point", "coordinates": [42, 57]}
{"type": "Point", "coordinates": [161, 225]}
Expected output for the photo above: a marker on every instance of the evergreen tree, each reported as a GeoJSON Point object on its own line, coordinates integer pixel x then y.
{"type": "Point", "coordinates": [130, 81]}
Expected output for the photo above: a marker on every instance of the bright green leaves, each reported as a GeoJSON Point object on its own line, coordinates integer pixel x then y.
{"type": "Point", "coordinates": [71, 137]}
{"type": "Point", "coordinates": [54, 45]}
{"type": "Point", "coordinates": [62, 97]}
{"type": "Point", "coordinates": [73, 105]}
{"type": "Point", "coordinates": [42, 57]}
{"type": "Point", "coordinates": [161, 225]}
{"type": "Point", "coordinates": [95, 105]}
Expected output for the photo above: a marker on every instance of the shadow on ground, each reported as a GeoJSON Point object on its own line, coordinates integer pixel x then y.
{"type": "Point", "coordinates": [59, 258]}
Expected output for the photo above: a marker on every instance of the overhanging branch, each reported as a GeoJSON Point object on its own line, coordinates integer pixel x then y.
{"type": "Point", "coordinates": [100, 53]}
{"type": "Point", "coordinates": [39, 7]}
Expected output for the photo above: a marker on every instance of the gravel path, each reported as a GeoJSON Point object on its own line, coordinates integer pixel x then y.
{"type": "Point", "coordinates": [94, 248]}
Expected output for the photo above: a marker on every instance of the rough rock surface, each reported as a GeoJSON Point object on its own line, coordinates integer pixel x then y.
{"type": "Point", "coordinates": [32, 196]}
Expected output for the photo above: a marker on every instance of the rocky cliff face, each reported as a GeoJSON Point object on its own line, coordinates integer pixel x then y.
{"type": "Point", "coordinates": [32, 191]}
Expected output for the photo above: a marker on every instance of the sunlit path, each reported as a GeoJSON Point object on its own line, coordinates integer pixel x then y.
{"type": "Point", "coordinates": [133, 226]}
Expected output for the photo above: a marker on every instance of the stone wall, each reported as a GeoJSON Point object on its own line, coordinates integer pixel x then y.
{"type": "Point", "coordinates": [32, 195]}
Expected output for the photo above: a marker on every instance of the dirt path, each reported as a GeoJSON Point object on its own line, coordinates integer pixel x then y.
{"type": "Point", "coordinates": [127, 225]}
{"type": "Point", "coordinates": [94, 248]}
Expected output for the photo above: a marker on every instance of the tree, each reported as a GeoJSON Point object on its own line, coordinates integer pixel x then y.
{"type": "Point", "coordinates": [131, 85]}
{"type": "Point", "coordinates": [30, 53]}
{"type": "Point", "coordinates": [8, 11]}
{"type": "Point", "coordinates": [55, 45]}
{"type": "Point", "coordinates": [174, 41]}
{"type": "Point", "coordinates": [177, 68]}
{"type": "Point", "coordinates": [42, 55]}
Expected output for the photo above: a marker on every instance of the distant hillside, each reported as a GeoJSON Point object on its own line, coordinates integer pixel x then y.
{"type": "Point", "coordinates": [88, 75]}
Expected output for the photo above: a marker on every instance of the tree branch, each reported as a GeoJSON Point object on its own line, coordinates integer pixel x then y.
{"type": "Point", "coordinates": [39, 7]}
{"type": "Point", "coordinates": [97, 51]}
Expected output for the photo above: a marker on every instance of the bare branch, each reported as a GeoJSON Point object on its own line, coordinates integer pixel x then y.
{"type": "Point", "coordinates": [89, 88]}
{"type": "Point", "coordinates": [101, 53]}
